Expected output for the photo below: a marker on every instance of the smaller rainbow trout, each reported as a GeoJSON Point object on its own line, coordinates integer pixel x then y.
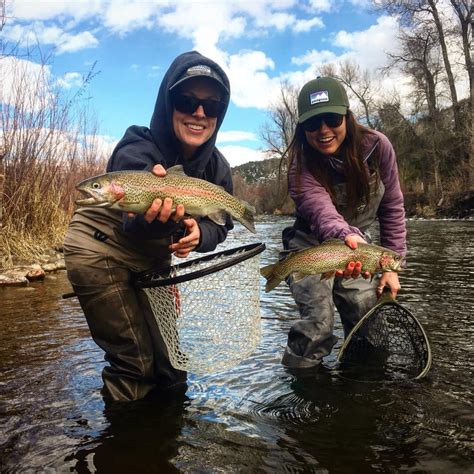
{"type": "Point", "coordinates": [134, 191]}
{"type": "Point", "coordinates": [329, 257]}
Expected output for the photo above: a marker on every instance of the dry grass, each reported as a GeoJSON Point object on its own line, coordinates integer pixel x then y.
{"type": "Point", "coordinates": [48, 143]}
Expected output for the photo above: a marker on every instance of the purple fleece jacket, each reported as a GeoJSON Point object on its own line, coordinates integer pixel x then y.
{"type": "Point", "coordinates": [314, 205]}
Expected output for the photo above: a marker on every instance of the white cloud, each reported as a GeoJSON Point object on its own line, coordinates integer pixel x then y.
{"type": "Point", "coordinates": [47, 10]}
{"type": "Point", "coordinates": [69, 80]}
{"type": "Point", "coordinates": [369, 47]}
{"type": "Point", "coordinates": [280, 21]}
{"type": "Point", "coordinates": [314, 58]}
{"type": "Point", "coordinates": [70, 43]}
{"type": "Point", "coordinates": [237, 155]}
{"type": "Point", "coordinates": [123, 16]}
{"type": "Point", "coordinates": [303, 26]}
{"type": "Point", "coordinates": [321, 5]}
{"type": "Point", "coordinates": [54, 36]}
{"type": "Point", "coordinates": [25, 83]}
{"type": "Point", "coordinates": [251, 85]}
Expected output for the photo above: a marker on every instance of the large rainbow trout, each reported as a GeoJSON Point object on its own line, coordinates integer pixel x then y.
{"type": "Point", "coordinates": [329, 257]}
{"type": "Point", "coordinates": [134, 191]}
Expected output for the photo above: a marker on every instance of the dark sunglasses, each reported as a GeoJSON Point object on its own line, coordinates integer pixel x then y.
{"type": "Point", "coordinates": [330, 119]}
{"type": "Point", "coordinates": [188, 105]}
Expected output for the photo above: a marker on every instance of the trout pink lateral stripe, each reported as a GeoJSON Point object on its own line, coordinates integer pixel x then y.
{"type": "Point", "coordinates": [329, 257]}
{"type": "Point", "coordinates": [181, 190]}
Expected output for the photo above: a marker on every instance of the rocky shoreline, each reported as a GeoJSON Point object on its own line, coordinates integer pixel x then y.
{"type": "Point", "coordinates": [23, 274]}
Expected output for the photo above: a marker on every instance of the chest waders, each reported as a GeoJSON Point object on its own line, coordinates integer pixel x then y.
{"type": "Point", "coordinates": [118, 314]}
{"type": "Point", "coordinates": [311, 337]}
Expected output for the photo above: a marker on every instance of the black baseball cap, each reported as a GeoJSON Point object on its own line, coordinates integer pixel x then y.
{"type": "Point", "coordinates": [200, 70]}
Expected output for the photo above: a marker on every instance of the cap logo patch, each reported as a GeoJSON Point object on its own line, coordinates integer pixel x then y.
{"type": "Point", "coordinates": [319, 96]}
{"type": "Point", "coordinates": [200, 69]}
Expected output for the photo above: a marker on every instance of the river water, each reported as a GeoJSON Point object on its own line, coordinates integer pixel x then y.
{"type": "Point", "coordinates": [256, 417]}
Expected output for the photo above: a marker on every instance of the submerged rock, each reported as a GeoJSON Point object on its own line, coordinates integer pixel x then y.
{"type": "Point", "coordinates": [21, 275]}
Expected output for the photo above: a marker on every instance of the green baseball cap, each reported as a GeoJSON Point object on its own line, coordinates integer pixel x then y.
{"type": "Point", "coordinates": [321, 96]}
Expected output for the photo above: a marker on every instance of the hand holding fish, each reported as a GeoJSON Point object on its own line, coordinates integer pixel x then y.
{"type": "Point", "coordinates": [390, 280]}
{"type": "Point", "coordinates": [162, 209]}
{"type": "Point", "coordinates": [186, 244]}
{"type": "Point", "coordinates": [353, 269]}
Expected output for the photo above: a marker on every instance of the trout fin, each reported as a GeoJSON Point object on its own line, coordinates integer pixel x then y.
{"type": "Point", "coordinates": [273, 280]}
{"type": "Point", "coordinates": [125, 203]}
{"type": "Point", "coordinates": [298, 276]}
{"type": "Point", "coordinates": [177, 170]}
{"type": "Point", "coordinates": [218, 217]}
{"type": "Point", "coordinates": [248, 217]}
{"type": "Point", "coordinates": [327, 275]}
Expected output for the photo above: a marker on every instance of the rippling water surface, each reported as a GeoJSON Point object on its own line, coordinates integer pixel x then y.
{"type": "Point", "coordinates": [256, 417]}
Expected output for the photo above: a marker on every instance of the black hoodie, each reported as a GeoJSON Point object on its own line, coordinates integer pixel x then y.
{"type": "Point", "coordinates": [142, 148]}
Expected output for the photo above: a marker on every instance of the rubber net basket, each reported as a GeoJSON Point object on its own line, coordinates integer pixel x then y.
{"type": "Point", "coordinates": [208, 309]}
{"type": "Point", "coordinates": [388, 343]}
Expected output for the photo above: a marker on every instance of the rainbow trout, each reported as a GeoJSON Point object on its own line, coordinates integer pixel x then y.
{"type": "Point", "coordinates": [329, 257]}
{"type": "Point", "coordinates": [134, 191]}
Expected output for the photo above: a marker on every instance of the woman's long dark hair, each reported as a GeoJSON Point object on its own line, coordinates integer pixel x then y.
{"type": "Point", "coordinates": [357, 178]}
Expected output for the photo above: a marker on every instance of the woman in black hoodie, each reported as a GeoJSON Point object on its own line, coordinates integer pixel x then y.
{"type": "Point", "coordinates": [103, 247]}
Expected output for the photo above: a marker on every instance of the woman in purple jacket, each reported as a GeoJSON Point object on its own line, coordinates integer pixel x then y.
{"type": "Point", "coordinates": [342, 177]}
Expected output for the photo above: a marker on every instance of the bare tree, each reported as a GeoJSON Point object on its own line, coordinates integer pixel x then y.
{"type": "Point", "coordinates": [464, 11]}
{"type": "Point", "coordinates": [283, 115]}
{"type": "Point", "coordinates": [425, 15]}
{"type": "Point", "coordinates": [419, 60]}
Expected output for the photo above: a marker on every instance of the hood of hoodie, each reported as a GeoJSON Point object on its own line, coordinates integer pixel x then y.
{"type": "Point", "coordinates": [161, 125]}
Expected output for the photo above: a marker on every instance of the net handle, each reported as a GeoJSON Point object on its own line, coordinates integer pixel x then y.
{"type": "Point", "coordinates": [246, 252]}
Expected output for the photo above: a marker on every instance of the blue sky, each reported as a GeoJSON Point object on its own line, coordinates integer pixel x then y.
{"type": "Point", "coordinates": [258, 43]}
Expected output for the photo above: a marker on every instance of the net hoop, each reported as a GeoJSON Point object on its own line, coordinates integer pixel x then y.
{"type": "Point", "coordinates": [387, 300]}
{"type": "Point", "coordinates": [161, 277]}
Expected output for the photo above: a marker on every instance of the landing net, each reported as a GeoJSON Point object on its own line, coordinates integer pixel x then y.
{"type": "Point", "coordinates": [208, 309]}
{"type": "Point", "coordinates": [388, 343]}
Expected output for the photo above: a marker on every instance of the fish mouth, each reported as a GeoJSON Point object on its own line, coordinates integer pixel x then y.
{"type": "Point", "coordinates": [94, 199]}
{"type": "Point", "coordinates": [92, 202]}
{"type": "Point", "coordinates": [399, 265]}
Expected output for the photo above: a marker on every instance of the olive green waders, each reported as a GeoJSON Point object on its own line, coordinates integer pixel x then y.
{"type": "Point", "coordinates": [118, 315]}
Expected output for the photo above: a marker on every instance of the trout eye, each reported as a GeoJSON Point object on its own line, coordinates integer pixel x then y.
{"type": "Point", "coordinates": [96, 185]}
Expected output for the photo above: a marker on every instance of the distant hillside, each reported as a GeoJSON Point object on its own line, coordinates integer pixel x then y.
{"type": "Point", "coordinates": [258, 172]}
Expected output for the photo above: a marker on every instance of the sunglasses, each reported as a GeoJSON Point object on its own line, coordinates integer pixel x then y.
{"type": "Point", "coordinates": [188, 105]}
{"type": "Point", "coordinates": [330, 119]}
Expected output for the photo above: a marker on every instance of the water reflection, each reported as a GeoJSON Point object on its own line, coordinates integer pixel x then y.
{"type": "Point", "coordinates": [256, 416]}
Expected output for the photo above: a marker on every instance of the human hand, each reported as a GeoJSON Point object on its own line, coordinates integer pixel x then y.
{"type": "Point", "coordinates": [162, 210]}
{"type": "Point", "coordinates": [353, 269]}
{"type": "Point", "coordinates": [186, 244]}
{"type": "Point", "coordinates": [390, 280]}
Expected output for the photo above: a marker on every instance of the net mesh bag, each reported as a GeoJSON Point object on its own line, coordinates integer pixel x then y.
{"type": "Point", "coordinates": [388, 343]}
{"type": "Point", "coordinates": [208, 309]}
